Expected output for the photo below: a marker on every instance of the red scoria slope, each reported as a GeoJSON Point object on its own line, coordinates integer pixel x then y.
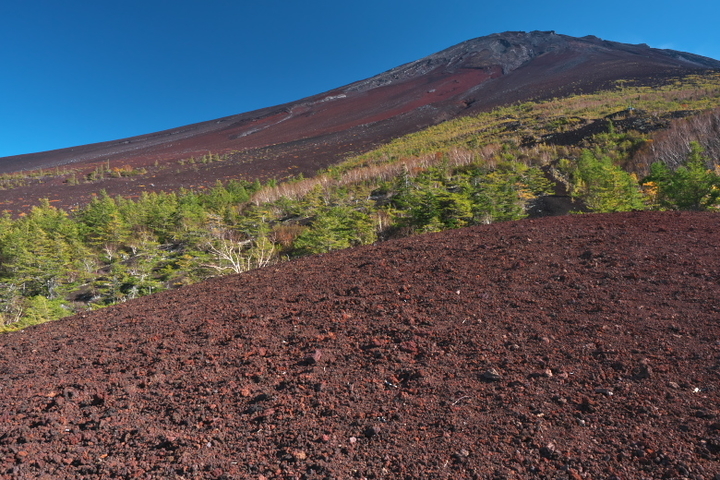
{"type": "Point", "coordinates": [315, 132]}
{"type": "Point", "coordinates": [565, 347]}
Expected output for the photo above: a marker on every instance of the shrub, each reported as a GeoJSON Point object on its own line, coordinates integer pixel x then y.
{"type": "Point", "coordinates": [604, 186]}
{"type": "Point", "coordinates": [334, 228]}
{"type": "Point", "coordinates": [692, 186]}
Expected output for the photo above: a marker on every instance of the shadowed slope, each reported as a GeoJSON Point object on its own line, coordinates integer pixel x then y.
{"type": "Point", "coordinates": [303, 136]}
{"type": "Point", "coordinates": [582, 346]}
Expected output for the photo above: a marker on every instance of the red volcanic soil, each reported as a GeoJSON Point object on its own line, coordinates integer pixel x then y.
{"type": "Point", "coordinates": [315, 132]}
{"type": "Point", "coordinates": [579, 347]}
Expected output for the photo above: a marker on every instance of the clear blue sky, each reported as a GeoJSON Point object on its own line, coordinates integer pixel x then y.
{"type": "Point", "coordinates": [74, 72]}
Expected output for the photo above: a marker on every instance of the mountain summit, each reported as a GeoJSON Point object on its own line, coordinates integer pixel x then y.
{"type": "Point", "coordinates": [511, 50]}
{"type": "Point", "coordinates": [314, 132]}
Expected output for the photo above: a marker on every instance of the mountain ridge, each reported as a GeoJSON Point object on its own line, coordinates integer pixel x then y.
{"type": "Point", "coordinates": [496, 45]}
{"type": "Point", "coordinates": [510, 50]}
{"type": "Point", "coordinates": [312, 133]}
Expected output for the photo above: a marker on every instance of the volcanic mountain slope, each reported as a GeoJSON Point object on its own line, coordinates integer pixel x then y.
{"type": "Point", "coordinates": [303, 136]}
{"type": "Point", "coordinates": [565, 347]}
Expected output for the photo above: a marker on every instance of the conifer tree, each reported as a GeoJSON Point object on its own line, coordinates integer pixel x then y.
{"type": "Point", "coordinates": [692, 186]}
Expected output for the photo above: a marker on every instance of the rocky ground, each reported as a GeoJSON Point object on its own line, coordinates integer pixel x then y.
{"type": "Point", "coordinates": [578, 347]}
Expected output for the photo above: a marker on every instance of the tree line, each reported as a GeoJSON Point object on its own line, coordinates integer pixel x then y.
{"type": "Point", "coordinates": [54, 263]}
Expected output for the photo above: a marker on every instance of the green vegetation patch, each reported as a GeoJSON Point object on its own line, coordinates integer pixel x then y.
{"type": "Point", "coordinates": [601, 149]}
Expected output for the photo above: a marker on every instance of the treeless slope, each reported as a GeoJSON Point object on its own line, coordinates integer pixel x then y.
{"type": "Point", "coordinates": [567, 347]}
{"type": "Point", "coordinates": [314, 132]}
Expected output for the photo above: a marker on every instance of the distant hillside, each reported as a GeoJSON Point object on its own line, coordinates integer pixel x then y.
{"type": "Point", "coordinates": [582, 153]}
{"type": "Point", "coordinates": [318, 131]}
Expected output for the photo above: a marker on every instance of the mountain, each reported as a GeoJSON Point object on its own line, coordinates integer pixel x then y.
{"type": "Point", "coordinates": [577, 346]}
{"type": "Point", "coordinates": [312, 133]}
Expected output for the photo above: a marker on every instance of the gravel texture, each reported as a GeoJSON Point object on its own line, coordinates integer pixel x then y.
{"type": "Point", "coordinates": [576, 347]}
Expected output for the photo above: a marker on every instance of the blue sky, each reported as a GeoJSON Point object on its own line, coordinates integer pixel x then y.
{"type": "Point", "coordinates": [74, 72]}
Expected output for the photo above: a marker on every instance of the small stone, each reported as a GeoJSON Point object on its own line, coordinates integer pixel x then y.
{"type": "Point", "coordinates": [618, 366]}
{"type": "Point", "coordinates": [573, 474]}
{"type": "Point", "coordinates": [372, 431]}
{"type": "Point", "coordinates": [491, 375]}
{"type": "Point", "coordinates": [643, 372]}
{"type": "Point", "coordinates": [353, 439]}
{"type": "Point", "coordinates": [548, 451]}
{"type": "Point", "coordinates": [314, 358]}
{"type": "Point", "coordinates": [604, 391]}
{"type": "Point", "coordinates": [299, 455]}
{"type": "Point", "coordinates": [673, 385]}
{"type": "Point", "coordinates": [587, 405]}
{"type": "Point", "coordinates": [464, 453]}
{"type": "Point", "coordinates": [547, 373]}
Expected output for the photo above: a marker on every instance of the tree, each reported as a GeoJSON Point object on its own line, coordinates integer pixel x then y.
{"type": "Point", "coordinates": [41, 251]}
{"type": "Point", "coordinates": [604, 186]}
{"type": "Point", "coordinates": [39, 310]}
{"type": "Point", "coordinates": [236, 255]}
{"type": "Point", "coordinates": [102, 222]}
{"type": "Point", "coordinates": [334, 228]}
{"type": "Point", "coordinates": [154, 211]}
{"type": "Point", "coordinates": [502, 194]}
{"type": "Point", "coordinates": [692, 186]}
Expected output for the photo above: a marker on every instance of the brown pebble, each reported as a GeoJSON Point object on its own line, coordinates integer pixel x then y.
{"type": "Point", "coordinates": [573, 475]}
{"type": "Point", "coordinates": [317, 355]}
{"type": "Point", "coordinates": [314, 358]}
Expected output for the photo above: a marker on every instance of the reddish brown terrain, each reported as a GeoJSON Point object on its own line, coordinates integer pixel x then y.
{"type": "Point", "coordinates": [312, 133]}
{"type": "Point", "coordinates": [576, 347]}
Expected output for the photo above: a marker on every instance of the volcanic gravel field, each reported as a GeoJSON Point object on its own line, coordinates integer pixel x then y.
{"type": "Point", "coordinates": [570, 347]}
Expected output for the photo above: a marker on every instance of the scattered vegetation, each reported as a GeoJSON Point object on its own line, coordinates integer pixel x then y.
{"type": "Point", "coordinates": [609, 150]}
{"type": "Point", "coordinates": [691, 186]}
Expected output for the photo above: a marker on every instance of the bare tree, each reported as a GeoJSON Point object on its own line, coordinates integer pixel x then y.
{"type": "Point", "coordinates": [235, 255]}
{"type": "Point", "coordinates": [672, 145]}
